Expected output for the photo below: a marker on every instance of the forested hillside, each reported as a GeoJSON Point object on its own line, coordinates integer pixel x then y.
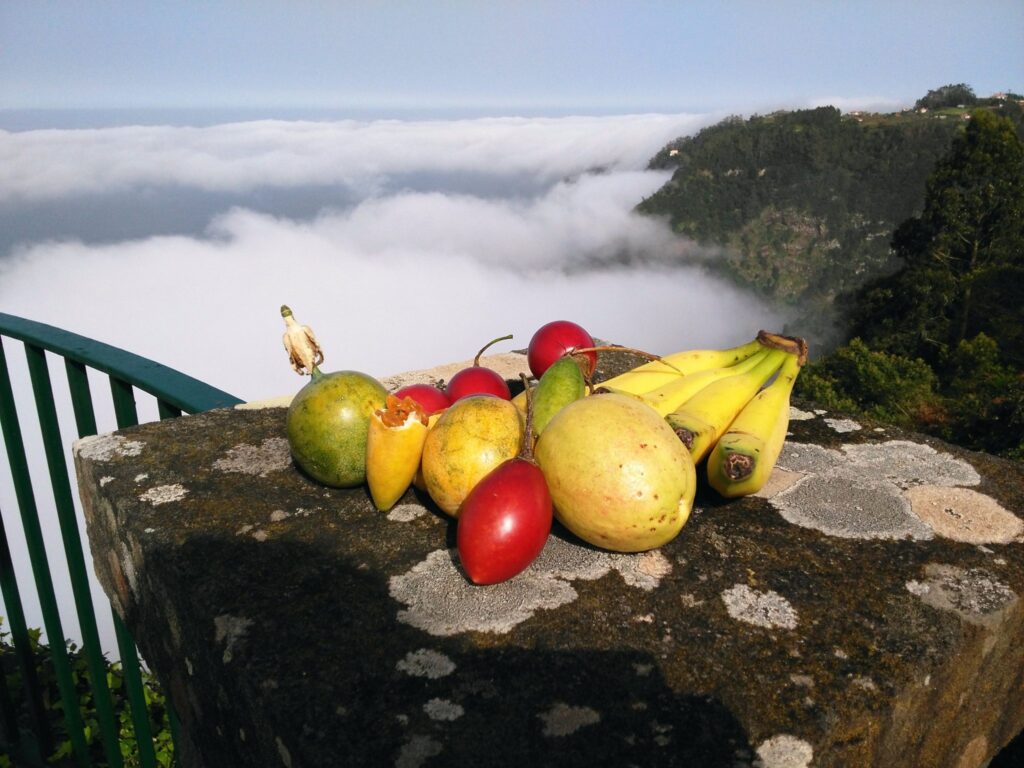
{"type": "Point", "coordinates": [802, 205]}
{"type": "Point", "coordinates": [913, 221]}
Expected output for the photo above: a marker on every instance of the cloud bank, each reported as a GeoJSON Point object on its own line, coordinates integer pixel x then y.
{"type": "Point", "coordinates": [414, 266]}
{"type": "Point", "coordinates": [47, 164]}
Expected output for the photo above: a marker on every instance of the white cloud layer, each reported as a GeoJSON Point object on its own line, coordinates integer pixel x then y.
{"type": "Point", "coordinates": [395, 283]}
{"type": "Point", "coordinates": [396, 280]}
{"type": "Point", "coordinates": [46, 164]}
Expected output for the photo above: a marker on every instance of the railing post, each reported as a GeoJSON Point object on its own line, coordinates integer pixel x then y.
{"type": "Point", "coordinates": [66, 517]}
{"type": "Point", "coordinates": [127, 416]}
{"type": "Point", "coordinates": [26, 659]}
{"type": "Point", "coordinates": [40, 567]}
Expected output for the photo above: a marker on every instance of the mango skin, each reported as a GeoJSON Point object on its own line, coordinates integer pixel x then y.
{"type": "Point", "coordinates": [473, 436]}
{"type": "Point", "coordinates": [619, 477]}
{"type": "Point", "coordinates": [327, 425]}
{"type": "Point", "coordinates": [561, 384]}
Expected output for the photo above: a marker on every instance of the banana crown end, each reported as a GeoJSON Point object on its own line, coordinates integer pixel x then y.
{"type": "Point", "coordinates": [794, 345]}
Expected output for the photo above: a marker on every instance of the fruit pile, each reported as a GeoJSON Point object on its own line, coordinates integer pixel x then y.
{"type": "Point", "coordinates": [614, 461]}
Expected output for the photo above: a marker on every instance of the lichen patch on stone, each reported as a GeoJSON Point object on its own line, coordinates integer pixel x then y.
{"type": "Point", "coordinates": [907, 463]}
{"type": "Point", "coordinates": [442, 602]}
{"type": "Point", "coordinates": [272, 455]}
{"type": "Point", "coordinates": [564, 720]}
{"type": "Point", "coordinates": [282, 751]}
{"type": "Point", "coordinates": [964, 515]}
{"type": "Point", "coordinates": [106, 447]}
{"type": "Point", "coordinates": [426, 663]}
{"type": "Point", "coordinates": [164, 494]}
{"type": "Point", "coordinates": [974, 594]}
{"type": "Point", "coordinates": [778, 481]}
{"type": "Point", "coordinates": [843, 425]}
{"type": "Point", "coordinates": [406, 513]}
{"type": "Point", "coordinates": [795, 414]}
{"type": "Point", "coordinates": [443, 709]}
{"type": "Point", "coordinates": [785, 751]}
{"type": "Point", "coordinates": [563, 560]}
{"type": "Point", "coordinates": [230, 630]}
{"type": "Point", "coordinates": [851, 508]}
{"type": "Point", "coordinates": [417, 750]}
{"type": "Point", "coordinates": [856, 492]}
{"type": "Point", "coordinates": [762, 609]}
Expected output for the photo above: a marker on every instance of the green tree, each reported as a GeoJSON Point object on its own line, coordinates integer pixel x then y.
{"type": "Point", "coordinates": [960, 94]}
{"type": "Point", "coordinates": [881, 385]}
{"type": "Point", "coordinates": [963, 257]}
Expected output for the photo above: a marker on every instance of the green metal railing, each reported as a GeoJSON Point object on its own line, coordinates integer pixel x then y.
{"type": "Point", "coordinates": [175, 394]}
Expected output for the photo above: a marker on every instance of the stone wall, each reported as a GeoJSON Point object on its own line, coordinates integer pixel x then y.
{"type": "Point", "coordinates": [864, 609]}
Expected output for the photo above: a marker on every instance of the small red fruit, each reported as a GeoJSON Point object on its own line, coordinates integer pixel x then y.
{"type": "Point", "coordinates": [431, 398]}
{"type": "Point", "coordinates": [504, 522]}
{"type": "Point", "coordinates": [555, 340]}
{"type": "Point", "coordinates": [478, 380]}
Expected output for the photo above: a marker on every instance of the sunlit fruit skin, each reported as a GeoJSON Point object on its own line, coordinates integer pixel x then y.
{"type": "Point", "coordinates": [433, 399]}
{"type": "Point", "coordinates": [504, 522]}
{"type": "Point", "coordinates": [477, 380]}
{"type": "Point", "coordinates": [619, 477]}
{"type": "Point", "coordinates": [394, 446]}
{"type": "Point", "coordinates": [561, 384]}
{"type": "Point", "coordinates": [472, 437]}
{"type": "Point", "coordinates": [327, 425]}
{"type": "Point", "coordinates": [553, 341]}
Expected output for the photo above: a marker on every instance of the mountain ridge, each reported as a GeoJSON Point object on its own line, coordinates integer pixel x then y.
{"type": "Point", "coordinates": [800, 206]}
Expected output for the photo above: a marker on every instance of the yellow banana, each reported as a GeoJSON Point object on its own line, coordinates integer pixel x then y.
{"type": "Point", "coordinates": [707, 415]}
{"type": "Point", "coordinates": [744, 456]}
{"type": "Point", "coordinates": [668, 397]}
{"type": "Point", "coordinates": [673, 367]}
{"type": "Point", "coordinates": [394, 446]}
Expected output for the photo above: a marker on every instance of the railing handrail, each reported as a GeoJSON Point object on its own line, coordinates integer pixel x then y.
{"type": "Point", "coordinates": [168, 384]}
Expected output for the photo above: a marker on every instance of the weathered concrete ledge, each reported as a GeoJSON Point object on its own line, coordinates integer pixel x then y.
{"type": "Point", "coordinates": [864, 610]}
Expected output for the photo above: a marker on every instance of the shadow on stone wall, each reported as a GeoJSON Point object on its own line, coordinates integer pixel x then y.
{"type": "Point", "coordinates": [311, 663]}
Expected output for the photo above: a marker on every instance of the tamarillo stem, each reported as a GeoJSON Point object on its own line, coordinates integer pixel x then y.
{"type": "Point", "coordinates": [488, 345]}
{"type": "Point", "coordinates": [639, 352]}
{"type": "Point", "coordinates": [526, 452]}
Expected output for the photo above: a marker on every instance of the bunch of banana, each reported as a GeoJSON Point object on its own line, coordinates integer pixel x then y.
{"type": "Point", "coordinates": [717, 403]}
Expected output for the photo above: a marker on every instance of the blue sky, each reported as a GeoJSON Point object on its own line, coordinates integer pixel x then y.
{"type": "Point", "coordinates": [502, 57]}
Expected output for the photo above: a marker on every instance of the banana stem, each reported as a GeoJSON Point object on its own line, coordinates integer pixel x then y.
{"type": "Point", "coordinates": [794, 345]}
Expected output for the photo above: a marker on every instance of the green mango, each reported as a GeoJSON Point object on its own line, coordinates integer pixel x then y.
{"type": "Point", "coordinates": [561, 384]}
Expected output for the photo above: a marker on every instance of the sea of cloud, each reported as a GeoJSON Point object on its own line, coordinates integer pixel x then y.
{"type": "Point", "coordinates": [404, 244]}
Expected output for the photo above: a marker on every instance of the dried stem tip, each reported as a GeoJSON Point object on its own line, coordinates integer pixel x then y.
{"type": "Point", "coordinates": [303, 349]}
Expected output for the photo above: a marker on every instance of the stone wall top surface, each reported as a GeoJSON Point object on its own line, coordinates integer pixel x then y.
{"type": "Point", "coordinates": [850, 614]}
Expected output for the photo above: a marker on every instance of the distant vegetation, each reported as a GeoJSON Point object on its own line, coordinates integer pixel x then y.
{"type": "Point", "coordinates": [905, 231]}
{"type": "Point", "coordinates": [801, 206]}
